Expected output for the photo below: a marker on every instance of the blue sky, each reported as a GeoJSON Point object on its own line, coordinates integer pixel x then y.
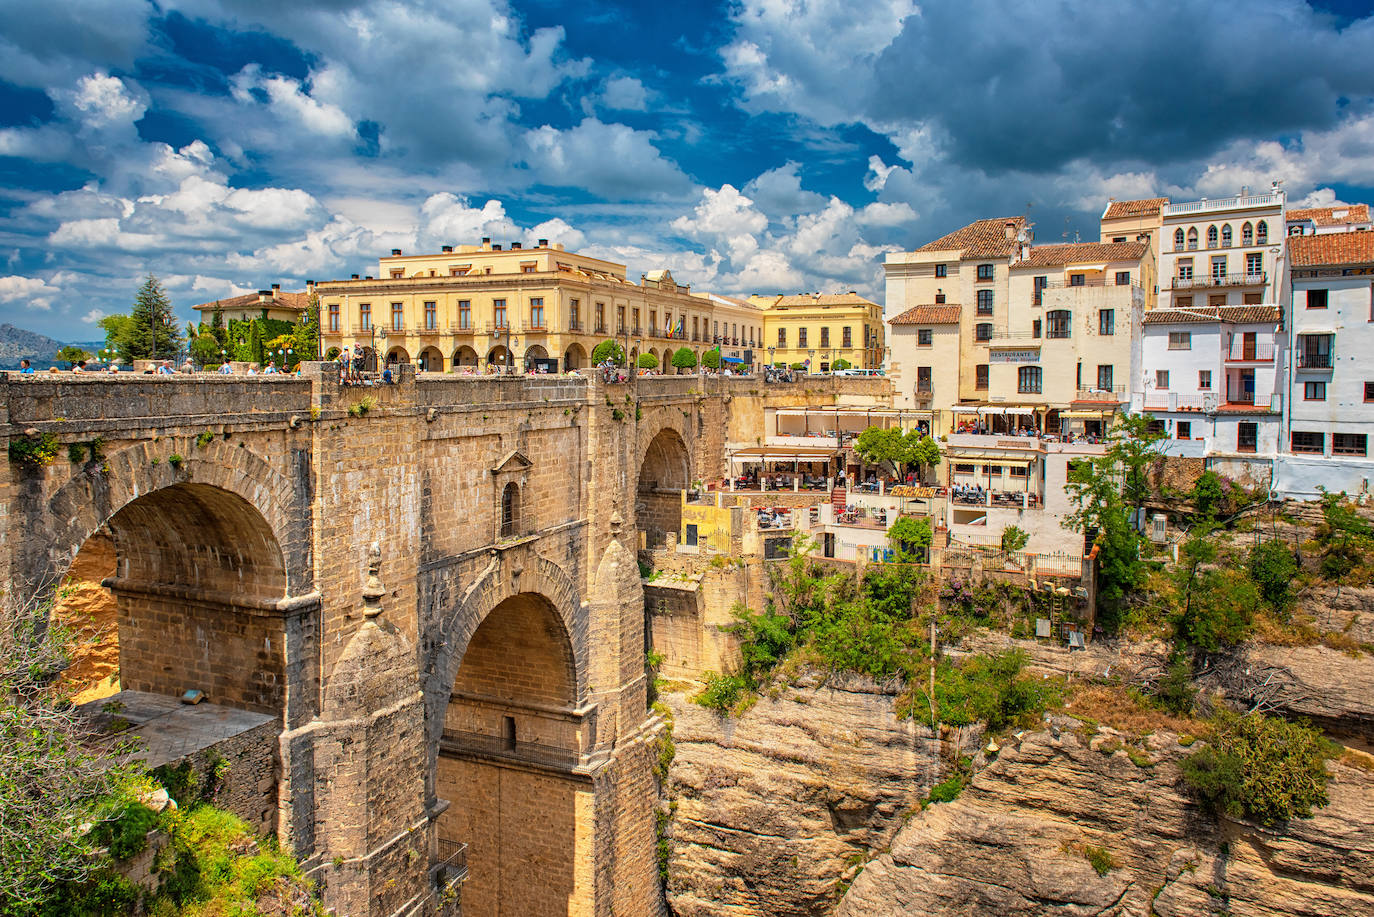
{"type": "Point", "coordinates": [749, 146]}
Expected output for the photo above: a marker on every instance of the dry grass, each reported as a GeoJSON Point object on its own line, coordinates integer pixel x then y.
{"type": "Point", "coordinates": [1113, 706]}
{"type": "Point", "coordinates": [1300, 631]}
{"type": "Point", "coordinates": [1352, 757]}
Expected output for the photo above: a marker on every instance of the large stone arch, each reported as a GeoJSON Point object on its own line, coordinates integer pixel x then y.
{"type": "Point", "coordinates": [61, 524]}
{"type": "Point", "coordinates": [664, 469]}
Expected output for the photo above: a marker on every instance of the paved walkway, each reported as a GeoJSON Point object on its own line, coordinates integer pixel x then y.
{"type": "Point", "coordinates": [168, 730]}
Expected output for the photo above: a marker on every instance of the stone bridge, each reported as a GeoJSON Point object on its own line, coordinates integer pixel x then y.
{"type": "Point", "coordinates": [482, 684]}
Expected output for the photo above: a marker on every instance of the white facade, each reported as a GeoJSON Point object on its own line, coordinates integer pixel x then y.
{"type": "Point", "coordinates": [1224, 252]}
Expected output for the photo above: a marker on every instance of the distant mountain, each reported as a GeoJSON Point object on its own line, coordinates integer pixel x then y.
{"type": "Point", "coordinates": [17, 344]}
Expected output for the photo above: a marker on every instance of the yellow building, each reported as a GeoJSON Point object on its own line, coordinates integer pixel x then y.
{"type": "Point", "coordinates": [818, 329]}
{"type": "Point", "coordinates": [482, 307]}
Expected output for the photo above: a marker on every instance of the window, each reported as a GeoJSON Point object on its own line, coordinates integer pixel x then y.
{"type": "Point", "coordinates": [1247, 437]}
{"type": "Point", "coordinates": [1226, 236]}
{"type": "Point", "coordinates": [1035, 327]}
{"type": "Point", "coordinates": [1185, 268]}
{"type": "Point", "coordinates": [637, 328]}
{"type": "Point", "coordinates": [941, 270]}
{"type": "Point", "coordinates": [847, 340]}
{"type": "Point", "coordinates": [984, 302]}
{"type": "Point", "coordinates": [1314, 351]}
{"type": "Point", "coordinates": [1078, 280]}
{"type": "Point", "coordinates": [980, 376]}
{"type": "Point", "coordinates": [1204, 379]}
{"type": "Point", "coordinates": [1211, 237]}
{"type": "Point", "coordinates": [923, 379]}
{"type": "Point", "coordinates": [1028, 380]}
{"type": "Point", "coordinates": [1106, 322]}
{"type": "Point", "coordinates": [782, 337]}
{"type": "Point", "coordinates": [1247, 235]}
{"type": "Point", "coordinates": [992, 470]}
{"type": "Point", "coordinates": [1178, 239]}
{"type": "Point", "coordinates": [431, 316]}
{"type": "Point", "coordinates": [982, 332]}
{"type": "Point", "coordinates": [1057, 323]}
{"type": "Point", "coordinates": [537, 312]}
{"type": "Point", "coordinates": [985, 272]}
{"type": "Point", "coordinates": [464, 315]}
{"type": "Point", "coordinates": [1314, 391]}
{"type": "Point", "coordinates": [1349, 444]}
{"type": "Point", "coordinates": [510, 510]}
{"type": "Point", "coordinates": [620, 319]}
{"type": "Point", "coordinates": [1183, 429]}
{"type": "Point", "coordinates": [1316, 299]}
{"type": "Point", "coordinates": [1254, 264]}
{"type": "Point", "coordinates": [1123, 278]}
{"type": "Point", "coordinates": [365, 316]}
{"type": "Point", "coordinates": [397, 275]}
{"type": "Point", "coordinates": [961, 468]}
{"type": "Point", "coordinates": [1252, 299]}
{"type": "Point", "coordinates": [333, 316]}
{"type": "Point", "coordinates": [458, 271]}
{"type": "Point", "coordinates": [1219, 267]}
{"type": "Point", "coordinates": [601, 318]}
{"type": "Point", "coordinates": [1308, 442]}
{"type": "Point", "coordinates": [1018, 471]}
{"type": "Point", "coordinates": [825, 337]}
{"type": "Point", "coordinates": [1369, 391]}
{"type": "Point", "coordinates": [1161, 378]}
{"type": "Point", "coordinates": [801, 337]}
{"type": "Point", "coordinates": [924, 337]}
{"type": "Point", "coordinates": [1192, 239]}
{"type": "Point", "coordinates": [939, 299]}
{"type": "Point", "coordinates": [1040, 284]}
{"type": "Point", "coordinates": [527, 268]}
{"type": "Point", "coordinates": [1216, 299]}
{"type": "Point", "coordinates": [498, 308]}
{"type": "Point", "coordinates": [1104, 377]}
{"type": "Point", "coordinates": [1262, 233]}
{"type": "Point", "coordinates": [1184, 302]}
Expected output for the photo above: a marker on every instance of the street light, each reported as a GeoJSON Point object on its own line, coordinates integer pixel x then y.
{"type": "Point", "coordinates": [810, 359]}
{"type": "Point", "coordinates": [770, 356]}
{"type": "Point", "coordinates": [495, 336]}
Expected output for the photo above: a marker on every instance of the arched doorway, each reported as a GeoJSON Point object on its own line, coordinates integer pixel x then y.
{"type": "Point", "coordinates": [431, 360]}
{"type": "Point", "coordinates": [532, 353]}
{"type": "Point", "coordinates": [575, 357]}
{"type": "Point", "coordinates": [663, 475]}
{"type": "Point", "coordinates": [464, 356]}
{"type": "Point", "coordinates": [366, 358]}
{"type": "Point", "coordinates": [396, 355]}
{"type": "Point", "coordinates": [332, 353]}
{"type": "Point", "coordinates": [511, 737]}
{"type": "Point", "coordinates": [499, 357]}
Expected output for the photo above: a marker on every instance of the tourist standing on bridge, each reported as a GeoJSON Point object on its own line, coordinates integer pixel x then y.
{"type": "Point", "coordinates": [25, 368]}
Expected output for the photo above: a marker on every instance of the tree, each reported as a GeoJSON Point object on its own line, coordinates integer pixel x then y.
{"type": "Point", "coordinates": [684, 358]}
{"type": "Point", "coordinates": [72, 355]}
{"type": "Point", "coordinates": [308, 331]}
{"type": "Point", "coordinates": [149, 330]}
{"type": "Point", "coordinates": [1133, 444]}
{"type": "Point", "coordinates": [1208, 492]}
{"type": "Point", "coordinates": [880, 445]}
{"type": "Point", "coordinates": [910, 537]}
{"type": "Point", "coordinates": [711, 359]}
{"type": "Point", "coordinates": [283, 343]}
{"type": "Point", "coordinates": [205, 349]}
{"type": "Point", "coordinates": [648, 361]}
{"type": "Point", "coordinates": [1272, 567]}
{"type": "Point", "coordinates": [608, 350]}
{"type": "Point", "coordinates": [1101, 515]}
{"type": "Point", "coordinates": [1014, 539]}
{"type": "Point", "coordinates": [218, 330]}
{"type": "Point", "coordinates": [841, 363]}
{"type": "Point", "coordinates": [921, 450]}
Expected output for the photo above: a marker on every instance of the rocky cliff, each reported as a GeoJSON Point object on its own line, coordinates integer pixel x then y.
{"type": "Point", "coordinates": [1062, 823]}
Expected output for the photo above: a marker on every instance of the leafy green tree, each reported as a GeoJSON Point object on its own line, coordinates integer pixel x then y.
{"type": "Point", "coordinates": [711, 359]}
{"type": "Point", "coordinates": [1014, 539]}
{"type": "Point", "coordinates": [1133, 445]}
{"type": "Point", "coordinates": [218, 330]}
{"type": "Point", "coordinates": [921, 450]}
{"type": "Point", "coordinates": [1272, 566]}
{"type": "Point", "coordinates": [608, 350]}
{"type": "Point", "coordinates": [881, 446]}
{"type": "Point", "coordinates": [72, 355]}
{"type": "Point", "coordinates": [1260, 767]}
{"type": "Point", "coordinates": [307, 333]}
{"type": "Point", "coordinates": [1208, 492]}
{"type": "Point", "coordinates": [684, 358]}
{"type": "Point", "coordinates": [283, 343]}
{"type": "Point", "coordinates": [648, 361]}
{"type": "Point", "coordinates": [841, 363]}
{"type": "Point", "coordinates": [150, 330]}
{"type": "Point", "coordinates": [910, 538]}
{"type": "Point", "coordinates": [1215, 604]}
{"type": "Point", "coordinates": [1344, 537]}
{"type": "Point", "coordinates": [205, 349]}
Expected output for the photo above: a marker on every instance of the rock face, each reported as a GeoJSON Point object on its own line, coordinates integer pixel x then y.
{"type": "Point", "coordinates": [773, 808]}
{"type": "Point", "coordinates": [1017, 842]}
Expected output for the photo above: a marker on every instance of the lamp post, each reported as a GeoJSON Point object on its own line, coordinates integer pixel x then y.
{"type": "Point", "coordinates": [810, 359]}
{"type": "Point", "coordinates": [496, 336]}
{"type": "Point", "coordinates": [770, 356]}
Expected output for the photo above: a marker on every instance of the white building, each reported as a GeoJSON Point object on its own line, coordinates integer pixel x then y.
{"type": "Point", "coordinates": [1331, 384]}
{"type": "Point", "coordinates": [1213, 377]}
{"type": "Point", "coordinates": [1225, 252]}
{"type": "Point", "coordinates": [1313, 221]}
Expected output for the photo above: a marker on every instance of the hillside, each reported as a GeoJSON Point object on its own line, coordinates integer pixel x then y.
{"type": "Point", "coordinates": [17, 344]}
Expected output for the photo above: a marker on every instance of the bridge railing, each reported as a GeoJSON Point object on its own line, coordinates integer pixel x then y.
{"type": "Point", "coordinates": [452, 866]}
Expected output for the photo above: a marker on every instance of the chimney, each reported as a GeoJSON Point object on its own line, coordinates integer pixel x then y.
{"type": "Point", "coordinates": [395, 253]}
{"type": "Point", "coordinates": [543, 243]}
{"type": "Point", "coordinates": [264, 295]}
{"type": "Point", "coordinates": [486, 243]}
{"type": "Point", "coordinates": [448, 249]}
{"type": "Point", "coordinates": [355, 276]}
{"type": "Point", "coordinates": [515, 246]}
{"type": "Point", "coordinates": [276, 287]}
{"type": "Point", "coordinates": [496, 248]}
{"type": "Point", "coordinates": [368, 277]}
{"type": "Point", "coordinates": [310, 286]}
{"type": "Point", "coordinates": [1009, 229]}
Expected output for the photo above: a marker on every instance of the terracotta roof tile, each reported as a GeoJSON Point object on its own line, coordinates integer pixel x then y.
{"type": "Point", "coordinates": [1234, 315]}
{"type": "Point", "coordinates": [928, 315]}
{"type": "Point", "coordinates": [1118, 210]}
{"type": "Point", "coordinates": [279, 300]}
{"type": "Point", "coordinates": [1082, 252]}
{"type": "Point", "coordinates": [1326, 216]}
{"type": "Point", "coordinates": [1332, 248]}
{"type": "Point", "coordinates": [822, 299]}
{"type": "Point", "coordinates": [980, 239]}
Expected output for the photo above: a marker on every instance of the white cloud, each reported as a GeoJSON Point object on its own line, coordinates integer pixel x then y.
{"type": "Point", "coordinates": [93, 316]}
{"type": "Point", "coordinates": [31, 291]}
{"type": "Point", "coordinates": [625, 93]}
{"type": "Point", "coordinates": [101, 101]}
{"type": "Point", "coordinates": [613, 161]}
{"type": "Point", "coordinates": [288, 100]}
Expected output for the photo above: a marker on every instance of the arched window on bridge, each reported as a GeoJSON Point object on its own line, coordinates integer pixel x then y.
{"type": "Point", "coordinates": [510, 510]}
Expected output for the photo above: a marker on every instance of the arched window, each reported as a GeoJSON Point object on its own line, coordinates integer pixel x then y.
{"type": "Point", "coordinates": [1226, 236]}
{"type": "Point", "coordinates": [1178, 239]}
{"type": "Point", "coordinates": [1192, 239]}
{"type": "Point", "coordinates": [1247, 235]}
{"type": "Point", "coordinates": [1211, 237]}
{"type": "Point", "coordinates": [1262, 233]}
{"type": "Point", "coordinates": [510, 510]}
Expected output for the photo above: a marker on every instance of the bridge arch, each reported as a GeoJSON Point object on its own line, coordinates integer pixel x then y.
{"type": "Point", "coordinates": [665, 470]}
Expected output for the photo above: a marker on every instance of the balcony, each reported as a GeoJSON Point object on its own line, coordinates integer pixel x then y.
{"type": "Point", "coordinates": [574, 326]}
{"type": "Point", "coordinates": [1255, 352]}
{"type": "Point", "coordinates": [429, 330]}
{"type": "Point", "coordinates": [600, 328]}
{"type": "Point", "coordinates": [1315, 361]}
{"type": "Point", "coordinates": [1014, 336]}
{"type": "Point", "coordinates": [540, 326]}
{"type": "Point", "coordinates": [1114, 395]}
{"type": "Point", "coordinates": [1103, 281]}
{"type": "Point", "coordinates": [1249, 202]}
{"type": "Point", "coordinates": [452, 866]}
{"type": "Point", "coordinates": [1213, 281]}
{"type": "Point", "coordinates": [460, 328]}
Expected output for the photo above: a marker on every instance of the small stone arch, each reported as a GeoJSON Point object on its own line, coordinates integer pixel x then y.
{"type": "Point", "coordinates": [575, 357]}
{"type": "Point", "coordinates": [498, 356]}
{"type": "Point", "coordinates": [464, 356]}
{"type": "Point", "coordinates": [431, 360]}
{"type": "Point", "coordinates": [663, 471]}
{"type": "Point", "coordinates": [397, 354]}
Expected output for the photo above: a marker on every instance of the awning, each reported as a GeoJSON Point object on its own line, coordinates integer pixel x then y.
{"type": "Point", "coordinates": [1097, 413]}
{"type": "Point", "coordinates": [965, 409]}
{"type": "Point", "coordinates": [783, 454]}
{"type": "Point", "coordinates": [731, 360]}
{"type": "Point", "coordinates": [989, 458]}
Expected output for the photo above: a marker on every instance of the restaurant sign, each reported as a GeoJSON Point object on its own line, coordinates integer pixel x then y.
{"type": "Point", "coordinates": [1014, 356]}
